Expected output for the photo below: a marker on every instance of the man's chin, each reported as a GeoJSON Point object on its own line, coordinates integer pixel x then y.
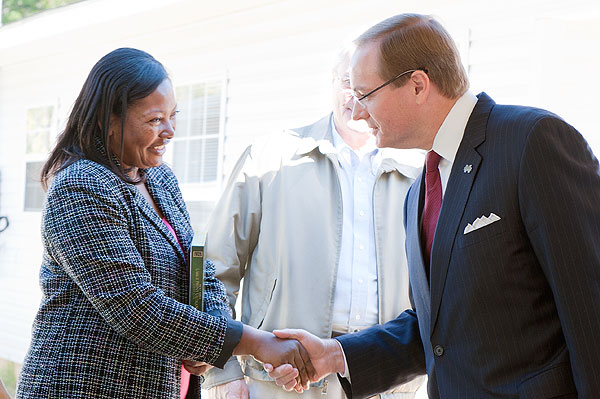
{"type": "Point", "coordinates": [358, 126]}
{"type": "Point", "coordinates": [378, 139]}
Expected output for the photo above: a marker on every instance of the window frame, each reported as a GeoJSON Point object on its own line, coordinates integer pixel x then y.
{"type": "Point", "coordinates": [203, 190]}
{"type": "Point", "coordinates": [37, 157]}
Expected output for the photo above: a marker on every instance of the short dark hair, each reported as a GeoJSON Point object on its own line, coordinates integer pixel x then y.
{"type": "Point", "coordinates": [117, 81]}
{"type": "Point", "coordinates": [414, 41]}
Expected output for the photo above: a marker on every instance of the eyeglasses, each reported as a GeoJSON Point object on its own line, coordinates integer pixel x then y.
{"type": "Point", "coordinates": [359, 99]}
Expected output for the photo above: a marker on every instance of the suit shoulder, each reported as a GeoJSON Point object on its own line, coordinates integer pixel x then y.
{"type": "Point", "coordinates": [522, 116]}
{"type": "Point", "coordinates": [517, 123]}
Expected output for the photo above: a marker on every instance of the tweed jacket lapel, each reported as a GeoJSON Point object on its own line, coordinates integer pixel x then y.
{"type": "Point", "coordinates": [166, 204]}
{"type": "Point", "coordinates": [163, 200]}
{"type": "Point", "coordinates": [455, 199]}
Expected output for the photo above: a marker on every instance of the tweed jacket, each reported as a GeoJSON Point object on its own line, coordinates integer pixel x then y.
{"type": "Point", "coordinates": [279, 224]}
{"type": "Point", "coordinates": [112, 323]}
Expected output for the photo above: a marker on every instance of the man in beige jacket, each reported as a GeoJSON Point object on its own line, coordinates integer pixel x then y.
{"type": "Point", "coordinates": [304, 221]}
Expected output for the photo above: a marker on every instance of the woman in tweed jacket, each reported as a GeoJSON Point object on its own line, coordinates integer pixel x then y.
{"type": "Point", "coordinates": [116, 234]}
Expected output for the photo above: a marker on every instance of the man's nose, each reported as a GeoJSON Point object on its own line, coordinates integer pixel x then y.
{"type": "Point", "coordinates": [359, 111]}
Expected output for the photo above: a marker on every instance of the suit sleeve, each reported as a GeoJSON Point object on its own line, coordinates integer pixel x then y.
{"type": "Point", "coordinates": [383, 356]}
{"type": "Point", "coordinates": [88, 232]}
{"type": "Point", "coordinates": [232, 235]}
{"type": "Point", "coordinates": [559, 195]}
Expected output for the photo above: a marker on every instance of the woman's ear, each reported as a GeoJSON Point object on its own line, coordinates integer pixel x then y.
{"type": "Point", "coordinates": [114, 124]}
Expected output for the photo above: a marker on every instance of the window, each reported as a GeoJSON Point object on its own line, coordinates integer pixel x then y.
{"type": "Point", "coordinates": [39, 131]}
{"type": "Point", "coordinates": [196, 146]}
{"type": "Point", "coordinates": [34, 194]}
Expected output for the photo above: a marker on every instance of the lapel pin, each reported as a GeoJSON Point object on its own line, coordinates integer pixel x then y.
{"type": "Point", "coordinates": [468, 168]}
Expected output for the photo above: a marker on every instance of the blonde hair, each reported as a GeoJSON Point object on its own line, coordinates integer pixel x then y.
{"type": "Point", "coordinates": [414, 41]}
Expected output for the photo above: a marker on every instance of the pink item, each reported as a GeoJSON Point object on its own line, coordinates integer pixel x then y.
{"type": "Point", "coordinates": [185, 375]}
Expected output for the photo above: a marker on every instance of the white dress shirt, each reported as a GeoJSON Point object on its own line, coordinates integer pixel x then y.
{"type": "Point", "coordinates": [446, 143]}
{"type": "Point", "coordinates": [355, 303]}
{"type": "Point", "coordinates": [448, 138]}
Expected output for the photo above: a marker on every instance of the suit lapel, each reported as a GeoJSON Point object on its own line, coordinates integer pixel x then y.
{"type": "Point", "coordinates": [417, 276]}
{"type": "Point", "coordinates": [455, 199]}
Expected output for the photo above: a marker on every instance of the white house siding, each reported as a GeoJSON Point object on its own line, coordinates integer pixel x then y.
{"type": "Point", "coordinates": [276, 56]}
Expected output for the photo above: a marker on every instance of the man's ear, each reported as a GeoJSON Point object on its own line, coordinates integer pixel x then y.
{"type": "Point", "coordinates": [421, 85]}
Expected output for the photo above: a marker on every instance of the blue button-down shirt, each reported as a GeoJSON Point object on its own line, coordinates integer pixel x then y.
{"type": "Point", "coordinates": [355, 301]}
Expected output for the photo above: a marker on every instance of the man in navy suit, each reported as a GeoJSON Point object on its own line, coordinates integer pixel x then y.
{"type": "Point", "coordinates": [502, 235]}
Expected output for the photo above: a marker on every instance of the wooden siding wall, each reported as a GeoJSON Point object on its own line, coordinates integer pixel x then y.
{"type": "Point", "coordinates": [276, 55]}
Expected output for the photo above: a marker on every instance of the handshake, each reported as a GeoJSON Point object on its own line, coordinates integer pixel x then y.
{"type": "Point", "coordinates": [293, 358]}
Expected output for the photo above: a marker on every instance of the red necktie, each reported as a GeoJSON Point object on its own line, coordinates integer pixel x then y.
{"type": "Point", "coordinates": [433, 203]}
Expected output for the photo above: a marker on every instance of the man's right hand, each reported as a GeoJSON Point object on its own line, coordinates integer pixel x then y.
{"type": "Point", "coordinates": [231, 390]}
{"type": "Point", "coordinates": [267, 348]}
{"type": "Point", "coordinates": [325, 354]}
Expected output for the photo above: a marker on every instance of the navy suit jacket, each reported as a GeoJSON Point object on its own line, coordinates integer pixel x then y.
{"type": "Point", "coordinates": [513, 308]}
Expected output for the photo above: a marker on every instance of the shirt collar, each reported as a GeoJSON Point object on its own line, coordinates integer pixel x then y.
{"type": "Point", "coordinates": [448, 138]}
{"type": "Point", "coordinates": [343, 150]}
{"type": "Point", "coordinates": [338, 142]}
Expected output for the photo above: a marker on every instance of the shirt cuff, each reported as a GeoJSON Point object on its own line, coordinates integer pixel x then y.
{"type": "Point", "coordinates": [346, 373]}
{"type": "Point", "coordinates": [233, 335]}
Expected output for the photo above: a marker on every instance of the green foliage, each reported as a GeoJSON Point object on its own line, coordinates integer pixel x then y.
{"type": "Point", "coordinates": [15, 10]}
{"type": "Point", "coordinates": [9, 372]}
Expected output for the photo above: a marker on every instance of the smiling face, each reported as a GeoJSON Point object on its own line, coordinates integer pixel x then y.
{"type": "Point", "coordinates": [392, 112]}
{"type": "Point", "coordinates": [149, 126]}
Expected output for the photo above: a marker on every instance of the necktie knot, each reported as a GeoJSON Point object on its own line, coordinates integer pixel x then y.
{"type": "Point", "coordinates": [432, 160]}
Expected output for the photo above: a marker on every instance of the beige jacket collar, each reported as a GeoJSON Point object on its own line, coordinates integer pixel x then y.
{"type": "Point", "coordinates": [319, 136]}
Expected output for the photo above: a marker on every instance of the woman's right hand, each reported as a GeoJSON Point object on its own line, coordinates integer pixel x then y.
{"type": "Point", "coordinates": [267, 348]}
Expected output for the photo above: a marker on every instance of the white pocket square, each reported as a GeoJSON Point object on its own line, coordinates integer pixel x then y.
{"type": "Point", "coordinates": [481, 222]}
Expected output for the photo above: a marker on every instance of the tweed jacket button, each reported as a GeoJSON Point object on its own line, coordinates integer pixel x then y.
{"type": "Point", "coordinates": [438, 350]}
